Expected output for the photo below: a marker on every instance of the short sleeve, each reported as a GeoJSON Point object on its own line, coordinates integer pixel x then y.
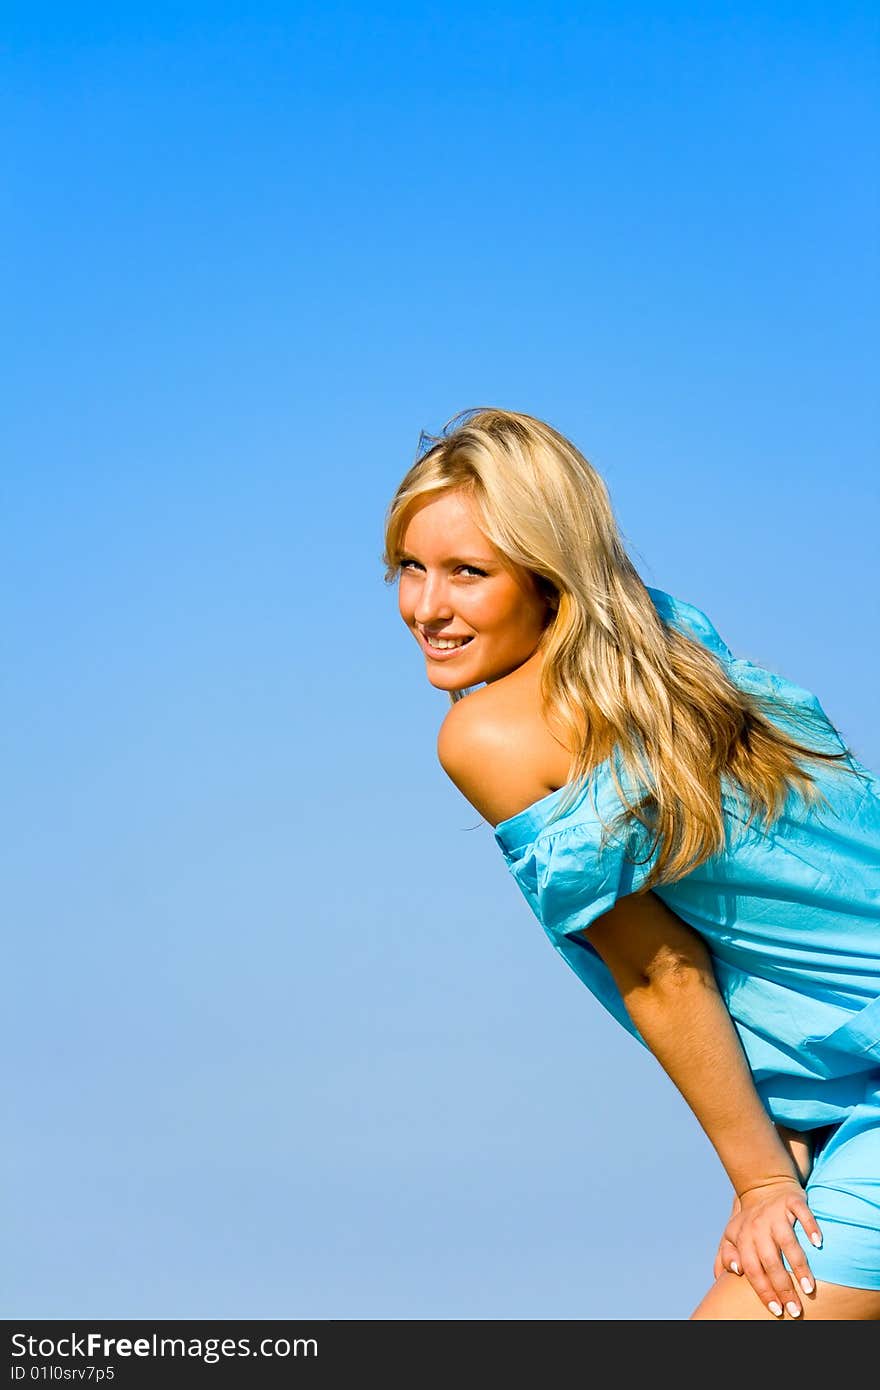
{"type": "Point", "coordinates": [578, 878]}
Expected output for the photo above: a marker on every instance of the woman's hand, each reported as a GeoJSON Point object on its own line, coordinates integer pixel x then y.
{"type": "Point", "coordinates": [800, 1146]}
{"type": "Point", "coordinates": [759, 1232]}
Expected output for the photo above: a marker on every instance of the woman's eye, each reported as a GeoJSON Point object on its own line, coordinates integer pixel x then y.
{"type": "Point", "coordinates": [408, 564]}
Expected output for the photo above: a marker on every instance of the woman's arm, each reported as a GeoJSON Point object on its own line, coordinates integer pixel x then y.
{"type": "Point", "coordinates": [664, 973]}
{"type": "Point", "coordinates": [800, 1149]}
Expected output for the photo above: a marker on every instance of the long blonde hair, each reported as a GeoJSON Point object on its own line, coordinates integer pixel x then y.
{"type": "Point", "coordinates": [616, 680]}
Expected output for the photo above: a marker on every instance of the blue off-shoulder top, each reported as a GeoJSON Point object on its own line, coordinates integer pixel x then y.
{"type": "Point", "coordinates": [790, 915]}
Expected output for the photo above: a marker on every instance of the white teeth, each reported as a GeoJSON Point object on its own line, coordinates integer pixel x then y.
{"type": "Point", "coordinates": [443, 642]}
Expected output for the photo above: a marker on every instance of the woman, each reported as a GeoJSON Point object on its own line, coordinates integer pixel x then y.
{"type": "Point", "coordinates": [690, 830]}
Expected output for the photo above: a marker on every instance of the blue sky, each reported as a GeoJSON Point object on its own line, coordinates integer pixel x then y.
{"type": "Point", "coordinates": [284, 1039]}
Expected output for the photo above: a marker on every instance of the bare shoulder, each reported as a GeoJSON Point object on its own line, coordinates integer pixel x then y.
{"type": "Point", "coordinates": [498, 751]}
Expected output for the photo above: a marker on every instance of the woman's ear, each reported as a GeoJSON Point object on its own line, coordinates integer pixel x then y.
{"type": "Point", "coordinates": [551, 598]}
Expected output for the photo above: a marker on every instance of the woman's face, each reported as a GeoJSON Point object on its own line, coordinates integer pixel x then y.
{"type": "Point", "coordinates": [454, 584]}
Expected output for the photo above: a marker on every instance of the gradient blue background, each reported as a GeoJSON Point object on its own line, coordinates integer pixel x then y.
{"type": "Point", "coordinates": [282, 1038]}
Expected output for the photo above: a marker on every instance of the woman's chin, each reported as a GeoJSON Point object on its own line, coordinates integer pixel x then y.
{"type": "Point", "coordinates": [447, 680]}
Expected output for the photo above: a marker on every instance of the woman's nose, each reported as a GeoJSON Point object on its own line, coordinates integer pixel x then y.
{"type": "Point", "coordinates": [432, 604]}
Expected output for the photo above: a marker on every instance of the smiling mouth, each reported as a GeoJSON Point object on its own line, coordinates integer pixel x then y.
{"type": "Point", "coordinates": [443, 644]}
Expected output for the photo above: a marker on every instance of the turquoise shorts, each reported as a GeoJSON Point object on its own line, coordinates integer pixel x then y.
{"type": "Point", "coordinates": [843, 1193]}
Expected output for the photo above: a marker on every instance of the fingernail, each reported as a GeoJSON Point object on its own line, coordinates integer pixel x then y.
{"type": "Point", "coordinates": [735, 1269]}
{"type": "Point", "coordinates": [807, 1285]}
{"type": "Point", "coordinates": [794, 1309]}
{"type": "Point", "coordinates": [775, 1309]}
{"type": "Point", "coordinates": [817, 1240]}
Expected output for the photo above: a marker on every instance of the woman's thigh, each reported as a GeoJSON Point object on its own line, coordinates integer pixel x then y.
{"type": "Point", "coordinates": [732, 1297]}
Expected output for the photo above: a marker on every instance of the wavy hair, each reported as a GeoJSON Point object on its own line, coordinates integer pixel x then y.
{"type": "Point", "coordinates": [616, 682]}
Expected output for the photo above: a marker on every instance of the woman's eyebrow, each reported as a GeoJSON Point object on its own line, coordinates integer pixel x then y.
{"type": "Point", "coordinates": [452, 559]}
